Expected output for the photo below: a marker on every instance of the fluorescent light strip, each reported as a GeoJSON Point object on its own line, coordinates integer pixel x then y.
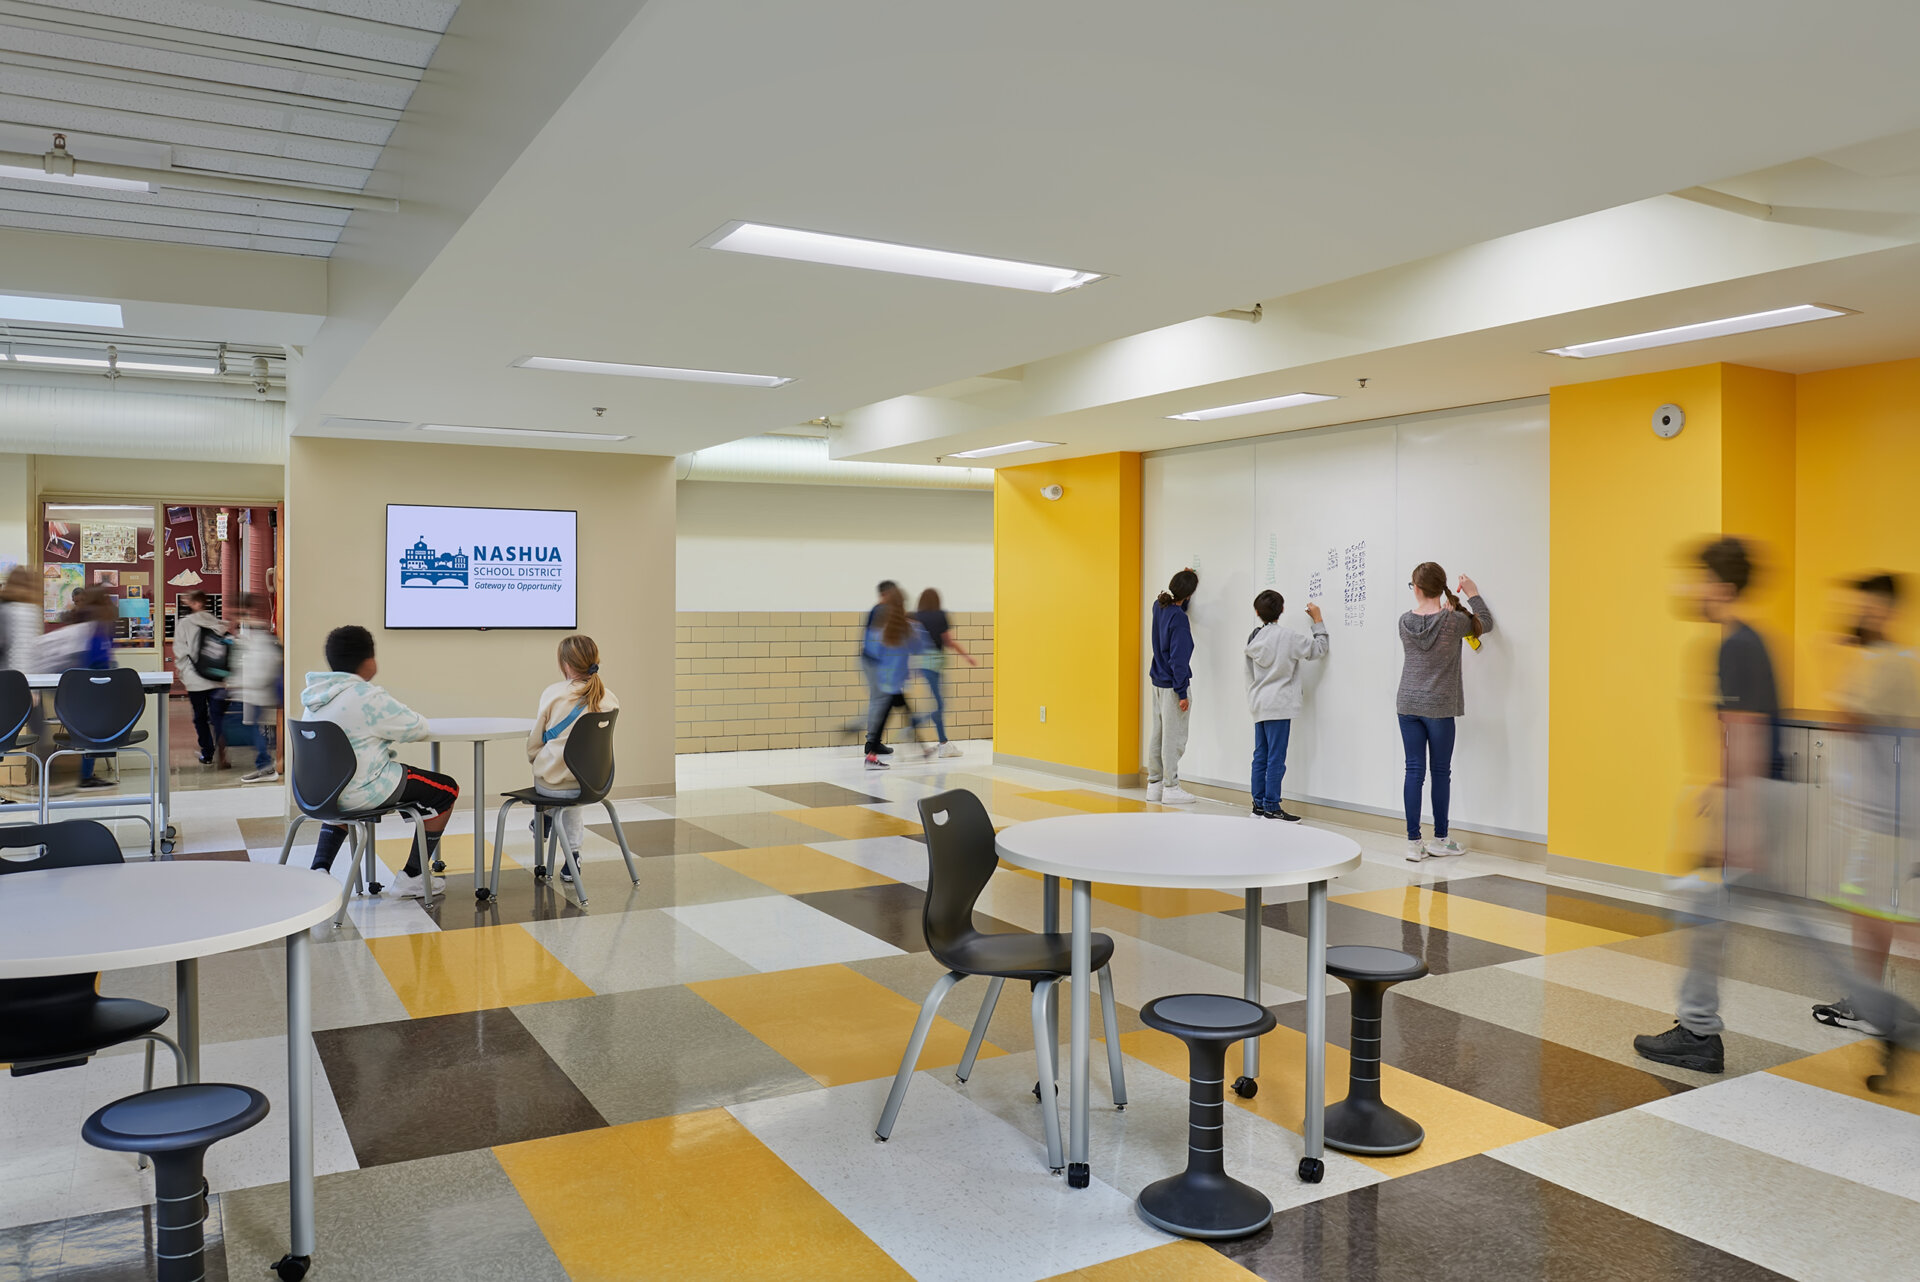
{"type": "Point", "coordinates": [60, 311]}
{"type": "Point", "coordinates": [84, 362]}
{"type": "Point", "coordinates": [568, 365]}
{"type": "Point", "coordinates": [99, 507]}
{"type": "Point", "coordinates": [885, 256]}
{"type": "Point", "coordinates": [1254, 407]}
{"type": "Point", "coordinates": [523, 431]}
{"type": "Point", "coordinates": [73, 180]}
{"type": "Point", "coordinates": [1747, 324]}
{"type": "Point", "coordinates": [1012, 447]}
{"type": "Point", "coordinates": [159, 365]}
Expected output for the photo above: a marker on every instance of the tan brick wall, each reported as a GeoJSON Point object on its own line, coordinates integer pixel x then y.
{"type": "Point", "coordinates": [793, 680]}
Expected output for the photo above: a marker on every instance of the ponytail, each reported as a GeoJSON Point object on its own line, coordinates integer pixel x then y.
{"type": "Point", "coordinates": [582, 657]}
{"type": "Point", "coordinates": [1431, 580]}
{"type": "Point", "coordinates": [1473, 620]}
{"type": "Point", "coordinates": [1181, 588]}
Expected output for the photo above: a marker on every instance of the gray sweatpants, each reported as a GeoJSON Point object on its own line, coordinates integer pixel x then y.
{"type": "Point", "coordinates": [1169, 737]}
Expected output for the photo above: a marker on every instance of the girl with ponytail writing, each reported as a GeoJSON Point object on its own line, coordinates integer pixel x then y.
{"type": "Point", "coordinates": [1430, 697]}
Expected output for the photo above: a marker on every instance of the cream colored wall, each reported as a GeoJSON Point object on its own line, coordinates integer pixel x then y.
{"type": "Point", "coordinates": [18, 490]}
{"type": "Point", "coordinates": [73, 476]}
{"type": "Point", "coordinates": [337, 495]}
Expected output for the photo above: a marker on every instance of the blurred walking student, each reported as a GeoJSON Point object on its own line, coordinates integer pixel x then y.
{"type": "Point", "coordinates": [86, 642]}
{"type": "Point", "coordinates": [579, 691]}
{"type": "Point", "coordinates": [1430, 697]}
{"type": "Point", "coordinates": [202, 656]}
{"type": "Point", "coordinates": [22, 620]}
{"type": "Point", "coordinates": [1172, 675]}
{"type": "Point", "coordinates": [257, 681]}
{"type": "Point", "coordinates": [932, 662]}
{"type": "Point", "coordinates": [888, 592]}
{"type": "Point", "coordinates": [1274, 655]}
{"type": "Point", "coordinates": [893, 641]}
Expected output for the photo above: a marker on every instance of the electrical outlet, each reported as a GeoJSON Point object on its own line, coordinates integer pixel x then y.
{"type": "Point", "coordinates": [1043, 712]}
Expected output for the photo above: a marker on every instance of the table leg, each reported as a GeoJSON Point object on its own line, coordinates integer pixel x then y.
{"type": "Point", "coordinates": [433, 756]}
{"type": "Point", "coordinates": [163, 767]}
{"type": "Point", "coordinates": [1250, 1049]}
{"type": "Point", "coordinates": [1316, 1102]}
{"type": "Point", "coordinates": [479, 811]}
{"type": "Point", "coordinates": [186, 1013]}
{"type": "Point", "coordinates": [1078, 1172]}
{"type": "Point", "coordinates": [300, 1096]}
{"type": "Point", "coordinates": [1050, 923]}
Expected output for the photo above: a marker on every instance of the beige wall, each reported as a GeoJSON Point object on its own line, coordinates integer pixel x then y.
{"type": "Point", "coordinates": [337, 492]}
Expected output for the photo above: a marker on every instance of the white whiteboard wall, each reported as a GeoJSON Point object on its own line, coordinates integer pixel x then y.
{"type": "Point", "coordinates": [1466, 488]}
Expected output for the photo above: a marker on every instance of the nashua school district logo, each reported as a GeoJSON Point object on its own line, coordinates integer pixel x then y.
{"type": "Point", "coordinates": [421, 566]}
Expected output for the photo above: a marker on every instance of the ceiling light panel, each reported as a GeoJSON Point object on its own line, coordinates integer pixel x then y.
{"type": "Point", "coordinates": [1012, 447]}
{"type": "Point", "coordinates": [1747, 324]}
{"type": "Point", "coordinates": [1253, 407]}
{"type": "Point", "coordinates": [60, 311]}
{"type": "Point", "coordinates": [523, 431]}
{"type": "Point", "coordinates": [568, 365]}
{"type": "Point", "coordinates": [885, 256]}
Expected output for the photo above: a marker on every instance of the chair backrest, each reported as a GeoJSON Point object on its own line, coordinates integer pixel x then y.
{"type": "Point", "coordinates": [960, 861]}
{"type": "Point", "coordinates": [589, 754]}
{"type": "Point", "coordinates": [323, 766]}
{"type": "Point", "coordinates": [16, 704]}
{"type": "Point", "coordinates": [72, 843]}
{"type": "Point", "coordinates": [99, 705]}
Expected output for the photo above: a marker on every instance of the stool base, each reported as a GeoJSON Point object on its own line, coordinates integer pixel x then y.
{"type": "Point", "coordinates": [1372, 1128]}
{"type": "Point", "coordinates": [1204, 1205]}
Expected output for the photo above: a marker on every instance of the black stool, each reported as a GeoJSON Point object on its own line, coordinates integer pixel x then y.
{"type": "Point", "coordinates": [174, 1126]}
{"type": "Point", "coordinates": [1361, 1123]}
{"type": "Point", "coordinates": [1203, 1200]}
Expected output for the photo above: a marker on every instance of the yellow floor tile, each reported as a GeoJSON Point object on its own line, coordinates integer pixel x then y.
{"type": "Point", "coordinates": [1154, 901]}
{"type": "Point", "coordinates": [449, 971]}
{"type": "Point", "coordinates": [1457, 1124]}
{"type": "Point", "coordinates": [851, 822]}
{"type": "Point", "coordinates": [456, 852]}
{"type": "Point", "coordinates": [693, 1196]}
{"type": "Point", "coordinates": [1182, 1260]}
{"type": "Point", "coordinates": [1495, 923]}
{"type": "Point", "coordinates": [1845, 1070]}
{"type": "Point", "coordinates": [798, 870]}
{"type": "Point", "coordinates": [834, 1023]}
{"type": "Point", "coordinates": [1099, 803]}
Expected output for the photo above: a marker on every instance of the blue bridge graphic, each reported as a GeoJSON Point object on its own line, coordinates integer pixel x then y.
{"type": "Point", "coordinates": [421, 563]}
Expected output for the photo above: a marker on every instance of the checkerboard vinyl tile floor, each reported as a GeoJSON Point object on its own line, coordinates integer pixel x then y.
{"type": "Point", "coordinates": [681, 1081]}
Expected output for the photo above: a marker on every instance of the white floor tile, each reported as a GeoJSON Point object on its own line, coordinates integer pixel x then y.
{"type": "Point", "coordinates": [900, 858]}
{"type": "Point", "coordinates": [777, 933]}
{"type": "Point", "coordinates": [619, 952]}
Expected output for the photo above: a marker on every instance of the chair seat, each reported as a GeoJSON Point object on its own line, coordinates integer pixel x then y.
{"type": "Point", "coordinates": [534, 797]}
{"type": "Point", "coordinates": [131, 737]}
{"type": "Point", "coordinates": [1207, 1017]}
{"type": "Point", "coordinates": [174, 1118]}
{"type": "Point", "coordinates": [1367, 963]}
{"type": "Point", "coordinates": [1024, 957]}
{"type": "Point", "coordinates": [39, 1022]}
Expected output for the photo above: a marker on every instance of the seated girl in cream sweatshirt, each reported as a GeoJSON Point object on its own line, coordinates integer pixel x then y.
{"type": "Point", "coordinates": [579, 691]}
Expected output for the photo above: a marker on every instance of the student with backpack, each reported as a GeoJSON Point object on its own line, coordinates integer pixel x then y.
{"type": "Point", "coordinates": [201, 655]}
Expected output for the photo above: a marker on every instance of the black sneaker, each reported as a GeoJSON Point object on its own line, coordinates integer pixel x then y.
{"type": "Point", "coordinates": [1260, 814]}
{"type": "Point", "coordinates": [1683, 1049]}
{"type": "Point", "coordinates": [96, 782]}
{"type": "Point", "coordinates": [1290, 818]}
{"type": "Point", "coordinates": [1841, 1014]}
{"type": "Point", "coordinates": [885, 751]}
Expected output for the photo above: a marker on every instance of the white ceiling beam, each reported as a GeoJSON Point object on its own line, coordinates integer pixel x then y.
{"type": "Point", "coordinates": [128, 271]}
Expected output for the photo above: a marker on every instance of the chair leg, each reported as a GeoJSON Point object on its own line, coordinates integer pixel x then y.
{"type": "Point", "coordinates": [1110, 1027]}
{"type": "Point", "coordinates": [572, 857]}
{"type": "Point", "coordinates": [980, 1023]}
{"type": "Point", "coordinates": [499, 840]}
{"type": "Point", "coordinates": [620, 835]}
{"type": "Point", "coordinates": [146, 1081]}
{"type": "Point", "coordinates": [426, 858]}
{"type": "Point", "coordinates": [928, 1009]}
{"type": "Point", "coordinates": [286, 847]}
{"type": "Point", "coordinates": [369, 859]}
{"type": "Point", "coordinates": [351, 887]}
{"type": "Point", "coordinates": [1044, 1055]}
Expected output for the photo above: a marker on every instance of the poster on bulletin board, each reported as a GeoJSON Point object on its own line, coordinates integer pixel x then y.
{"type": "Point", "coordinates": [62, 580]}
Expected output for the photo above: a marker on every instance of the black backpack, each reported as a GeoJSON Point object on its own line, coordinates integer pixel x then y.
{"type": "Point", "coordinates": [213, 655]}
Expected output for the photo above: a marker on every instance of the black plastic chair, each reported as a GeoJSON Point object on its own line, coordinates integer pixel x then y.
{"type": "Point", "coordinates": [17, 706]}
{"type": "Point", "coordinates": [97, 709]}
{"type": "Point", "coordinates": [960, 861]}
{"type": "Point", "coordinates": [1362, 1122]}
{"type": "Point", "coordinates": [321, 766]}
{"type": "Point", "coordinates": [62, 1021]}
{"type": "Point", "coordinates": [589, 758]}
{"type": "Point", "coordinates": [175, 1126]}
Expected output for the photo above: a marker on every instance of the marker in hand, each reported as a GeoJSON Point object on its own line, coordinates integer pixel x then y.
{"type": "Point", "coordinates": [1313, 612]}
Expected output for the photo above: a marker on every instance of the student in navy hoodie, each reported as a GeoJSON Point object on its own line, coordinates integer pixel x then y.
{"type": "Point", "coordinates": [1171, 673]}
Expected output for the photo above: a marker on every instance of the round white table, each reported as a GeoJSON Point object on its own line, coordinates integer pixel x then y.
{"type": "Point", "coordinates": [67, 921]}
{"type": "Point", "coordinates": [477, 731]}
{"type": "Point", "coordinates": [1194, 852]}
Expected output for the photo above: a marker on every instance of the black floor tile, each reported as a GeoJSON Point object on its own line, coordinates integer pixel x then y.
{"type": "Point", "coordinates": [1443, 950]}
{"type": "Point", "coordinates": [817, 794]}
{"type": "Point", "coordinates": [651, 838]}
{"type": "Point", "coordinates": [1567, 905]}
{"type": "Point", "coordinates": [894, 912]}
{"type": "Point", "coordinates": [447, 1084]}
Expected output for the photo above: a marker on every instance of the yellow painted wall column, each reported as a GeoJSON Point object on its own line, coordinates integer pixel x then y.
{"type": "Point", "coordinates": [1067, 615]}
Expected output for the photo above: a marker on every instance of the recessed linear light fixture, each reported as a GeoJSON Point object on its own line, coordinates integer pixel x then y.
{"type": "Point", "coordinates": [73, 180]}
{"type": "Point", "coordinates": [1752, 321]}
{"type": "Point", "coordinates": [74, 361]}
{"type": "Point", "coordinates": [885, 256]}
{"type": "Point", "coordinates": [143, 363]}
{"type": "Point", "coordinates": [1011, 447]}
{"type": "Point", "coordinates": [567, 365]}
{"type": "Point", "coordinates": [99, 507]}
{"type": "Point", "coordinates": [1254, 407]}
{"type": "Point", "coordinates": [523, 431]}
{"type": "Point", "coordinates": [60, 311]}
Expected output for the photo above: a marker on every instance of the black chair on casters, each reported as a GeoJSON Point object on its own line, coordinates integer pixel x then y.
{"type": "Point", "coordinates": [175, 1126]}
{"type": "Point", "coordinates": [960, 860]}
{"type": "Point", "coordinates": [589, 757]}
{"type": "Point", "coordinates": [16, 710]}
{"type": "Point", "coordinates": [97, 709]}
{"type": "Point", "coordinates": [321, 768]}
{"type": "Point", "coordinates": [1362, 1123]}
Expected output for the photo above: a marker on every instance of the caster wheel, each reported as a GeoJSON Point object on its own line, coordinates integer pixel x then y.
{"type": "Point", "coordinates": [1079, 1175]}
{"type": "Point", "coordinates": [373, 888]}
{"type": "Point", "coordinates": [439, 865]}
{"type": "Point", "coordinates": [290, 1268]}
{"type": "Point", "coordinates": [166, 847]}
{"type": "Point", "coordinates": [1056, 1090]}
{"type": "Point", "coordinates": [483, 894]}
{"type": "Point", "coordinates": [1312, 1169]}
{"type": "Point", "coordinates": [1119, 1108]}
{"type": "Point", "coordinates": [539, 873]}
{"type": "Point", "coordinates": [878, 1138]}
{"type": "Point", "coordinates": [1246, 1087]}
{"type": "Point", "coordinates": [1057, 1171]}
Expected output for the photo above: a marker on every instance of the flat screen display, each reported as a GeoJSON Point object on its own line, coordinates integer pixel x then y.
{"type": "Point", "coordinates": [480, 567]}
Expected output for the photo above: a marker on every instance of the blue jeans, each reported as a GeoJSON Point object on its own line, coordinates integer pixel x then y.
{"type": "Point", "coordinates": [939, 702]}
{"type": "Point", "coordinates": [1427, 738]}
{"type": "Point", "coordinates": [1269, 762]}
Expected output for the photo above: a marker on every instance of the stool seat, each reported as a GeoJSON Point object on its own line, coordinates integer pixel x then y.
{"type": "Point", "coordinates": [174, 1118]}
{"type": "Point", "coordinates": [1207, 1017]}
{"type": "Point", "coordinates": [1366, 962]}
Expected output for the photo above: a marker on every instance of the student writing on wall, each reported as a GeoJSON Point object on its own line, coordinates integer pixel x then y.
{"type": "Point", "coordinates": [1430, 697]}
{"type": "Point", "coordinates": [579, 691]}
{"type": "Point", "coordinates": [1274, 655]}
{"type": "Point", "coordinates": [1172, 677]}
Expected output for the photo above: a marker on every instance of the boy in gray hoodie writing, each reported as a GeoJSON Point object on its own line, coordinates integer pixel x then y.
{"type": "Point", "coordinates": [1274, 655]}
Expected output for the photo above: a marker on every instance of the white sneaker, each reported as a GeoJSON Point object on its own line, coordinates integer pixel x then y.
{"type": "Point", "coordinates": [874, 762]}
{"type": "Point", "coordinates": [949, 749]}
{"type": "Point", "coordinates": [405, 887]}
{"type": "Point", "coordinates": [268, 775]}
{"type": "Point", "coordinates": [1153, 792]}
{"type": "Point", "coordinates": [1445, 846]}
{"type": "Point", "coordinates": [1176, 796]}
{"type": "Point", "coordinates": [1416, 851]}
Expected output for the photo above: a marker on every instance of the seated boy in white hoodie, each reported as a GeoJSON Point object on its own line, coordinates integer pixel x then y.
{"type": "Point", "coordinates": [1274, 656]}
{"type": "Point", "coordinates": [375, 722]}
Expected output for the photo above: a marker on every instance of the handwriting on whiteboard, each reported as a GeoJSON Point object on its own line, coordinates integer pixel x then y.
{"type": "Point", "coordinates": [1354, 563]}
{"type": "Point", "coordinates": [1273, 559]}
{"type": "Point", "coordinates": [1315, 586]}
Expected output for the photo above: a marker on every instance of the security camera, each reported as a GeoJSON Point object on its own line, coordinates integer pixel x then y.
{"type": "Point", "coordinates": [260, 384]}
{"type": "Point", "coordinates": [1052, 492]}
